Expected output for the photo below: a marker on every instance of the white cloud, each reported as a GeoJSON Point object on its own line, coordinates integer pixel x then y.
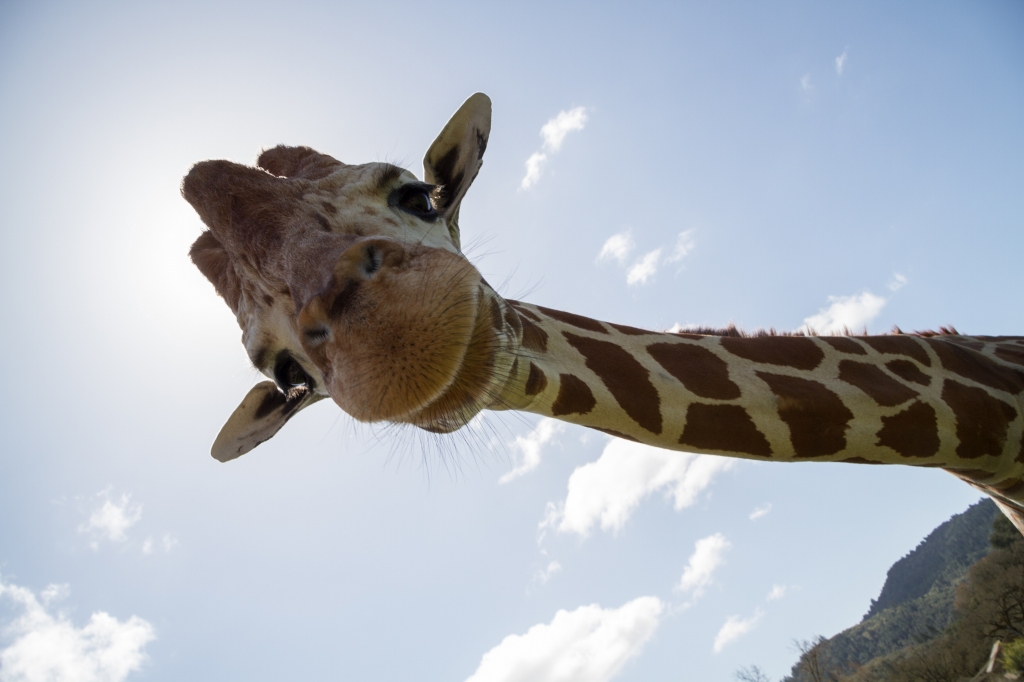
{"type": "Point", "coordinates": [840, 63]}
{"type": "Point", "coordinates": [609, 489]}
{"type": "Point", "coordinates": [589, 644]}
{"type": "Point", "coordinates": [684, 245]}
{"type": "Point", "coordinates": [54, 592]}
{"type": "Point", "coordinates": [111, 519]}
{"type": "Point", "coordinates": [760, 511]}
{"type": "Point", "coordinates": [168, 542]}
{"type": "Point", "coordinates": [533, 168]}
{"type": "Point", "coordinates": [777, 593]}
{"type": "Point", "coordinates": [530, 447]}
{"type": "Point", "coordinates": [644, 268]}
{"type": "Point", "coordinates": [553, 132]}
{"type": "Point", "coordinates": [542, 575]}
{"type": "Point", "coordinates": [618, 247]}
{"type": "Point", "coordinates": [805, 83]}
{"type": "Point", "coordinates": [734, 628]}
{"type": "Point", "coordinates": [898, 281]}
{"type": "Point", "coordinates": [552, 516]}
{"type": "Point", "coordinates": [708, 555]}
{"type": "Point", "coordinates": [44, 646]}
{"type": "Point", "coordinates": [846, 312]}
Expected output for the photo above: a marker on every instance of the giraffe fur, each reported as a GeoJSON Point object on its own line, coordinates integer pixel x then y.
{"type": "Point", "coordinates": [348, 283]}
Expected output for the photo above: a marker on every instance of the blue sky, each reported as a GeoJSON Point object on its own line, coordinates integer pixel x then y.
{"type": "Point", "coordinates": [786, 164]}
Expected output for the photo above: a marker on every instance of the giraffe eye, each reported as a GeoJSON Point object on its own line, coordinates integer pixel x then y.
{"type": "Point", "coordinates": [415, 199]}
{"type": "Point", "coordinates": [289, 374]}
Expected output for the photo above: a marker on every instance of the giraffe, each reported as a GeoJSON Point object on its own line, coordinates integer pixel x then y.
{"type": "Point", "coordinates": [348, 283]}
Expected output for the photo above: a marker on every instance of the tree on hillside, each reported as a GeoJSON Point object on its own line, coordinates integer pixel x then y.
{"type": "Point", "coordinates": [751, 674]}
{"type": "Point", "coordinates": [812, 661]}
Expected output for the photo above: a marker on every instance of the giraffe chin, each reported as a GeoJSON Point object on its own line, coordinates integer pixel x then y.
{"type": "Point", "coordinates": [426, 363]}
{"type": "Point", "coordinates": [478, 379]}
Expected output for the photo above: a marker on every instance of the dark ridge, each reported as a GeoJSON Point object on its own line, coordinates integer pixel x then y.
{"type": "Point", "coordinates": [948, 550]}
{"type": "Point", "coordinates": [916, 605]}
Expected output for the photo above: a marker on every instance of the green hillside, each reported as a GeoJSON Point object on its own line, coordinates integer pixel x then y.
{"type": "Point", "coordinates": [940, 609]}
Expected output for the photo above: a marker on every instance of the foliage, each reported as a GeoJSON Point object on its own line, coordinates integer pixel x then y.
{"type": "Point", "coordinates": [1013, 656]}
{"type": "Point", "coordinates": [1004, 533]}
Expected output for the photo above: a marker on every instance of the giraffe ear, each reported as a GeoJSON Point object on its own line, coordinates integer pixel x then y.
{"type": "Point", "coordinates": [298, 162]}
{"type": "Point", "coordinates": [212, 259]}
{"type": "Point", "coordinates": [262, 413]}
{"type": "Point", "coordinates": [455, 157]}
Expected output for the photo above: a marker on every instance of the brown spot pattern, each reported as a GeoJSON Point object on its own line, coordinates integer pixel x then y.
{"type": "Point", "coordinates": [972, 365]}
{"type": "Point", "coordinates": [574, 397]}
{"type": "Point", "coordinates": [1010, 355]}
{"type": "Point", "coordinates": [626, 379]}
{"type": "Point", "coordinates": [914, 432]}
{"type": "Point", "coordinates": [723, 427]}
{"type": "Point", "coordinates": [899, 345]}
{"type": "Point", "coordinates": [787, 351]}
{"type": "Point", "coordinates": [698, 369]}
{"type": "Point", "coordinates": [859, 460]}
{"type": "Point", "coordinates": [512, 320]}
{"type": "Point", "coordinates": [536, 381]}
{"type": "Point", "coordinates": [981, 420]}
{"type": "Point", "coordinates": [534, 338]}
{"type": "Point", "coordinates": [687, 335]}
{"type": "Point", "coordinates": [844, 344]}
{"type": "Point", "coordinates": [907, 370]}
{"type": "Point", "coordinates": [882, 388]}
{"type": "Point", "coordinates": [816, 417]}
{"type": "Point", "coordinates": [574, 319]}
{"type": "Point", "coordinates": [629, 331]}
{"type": "Point", "coordinates": [523, 311]}
{"type": "Point", "coordinates": [497, 320]}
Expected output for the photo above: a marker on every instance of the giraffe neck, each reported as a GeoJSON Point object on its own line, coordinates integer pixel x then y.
{"type": "Point", "coordinates": [947, 401]}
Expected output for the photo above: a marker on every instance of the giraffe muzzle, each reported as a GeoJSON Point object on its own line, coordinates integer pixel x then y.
{"type": "Point", "coordinates": [392, 327]}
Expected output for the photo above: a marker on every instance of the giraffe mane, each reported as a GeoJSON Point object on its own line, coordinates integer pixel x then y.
{"type": "Point", "coordinates": [736, 332]}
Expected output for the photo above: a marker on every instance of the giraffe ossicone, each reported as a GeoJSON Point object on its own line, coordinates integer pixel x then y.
{"type": "Point", "coordinates": [348, 283]}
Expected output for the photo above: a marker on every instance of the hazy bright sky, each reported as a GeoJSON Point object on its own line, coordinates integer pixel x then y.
{"type": "Point", "coordinates": [776, 164]}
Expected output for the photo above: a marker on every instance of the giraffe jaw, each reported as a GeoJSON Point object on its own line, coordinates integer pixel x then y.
{"type": "Point", "coordinates": [487, 367]}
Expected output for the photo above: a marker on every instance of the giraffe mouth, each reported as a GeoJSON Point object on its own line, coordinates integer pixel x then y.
{"type": "Point", "coordinates": [431, 361]}
{"type": "Point", "coordinates": [485, 369]}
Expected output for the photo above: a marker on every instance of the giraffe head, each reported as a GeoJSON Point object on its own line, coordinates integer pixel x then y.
{"type": "Point", "coordinates": [348, 282]}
